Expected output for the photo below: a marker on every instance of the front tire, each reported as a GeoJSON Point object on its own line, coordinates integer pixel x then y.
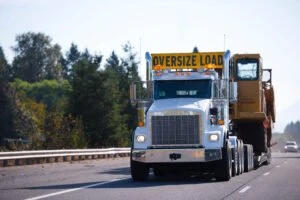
{"type": "Point", "coordinates": [139, 171]}
{"type": "Point", "coordinates": [223, 168]}
{"type": "Point", "coordinates": [235, 163]}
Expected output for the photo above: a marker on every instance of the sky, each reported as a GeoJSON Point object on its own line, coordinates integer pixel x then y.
{"type": "Point", "coordinates": [271, 28]}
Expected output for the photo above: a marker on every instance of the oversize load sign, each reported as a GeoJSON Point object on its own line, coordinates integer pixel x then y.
{"type": "Point", "coordinates": [187, 60]}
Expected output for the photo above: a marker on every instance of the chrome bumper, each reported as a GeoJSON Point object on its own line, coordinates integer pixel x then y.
{"type": "Point", "coordinates": [175, 155]}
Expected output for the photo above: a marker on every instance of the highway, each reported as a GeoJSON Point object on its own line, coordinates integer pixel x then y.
{"type": "Point", "coordinates": [110, 179]}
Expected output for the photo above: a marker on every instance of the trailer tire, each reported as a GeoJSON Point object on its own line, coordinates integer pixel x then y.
{"type": "Point", "coordinates": [248, 157]}
{"type": "Point", "coordinates": [223, 168]}
{"type": "Point", "coordinates": [139, 171]}
{"type": "Point", "coordinates": [240, 157]}
{"type": "Point", "coordinates": [269, 157]}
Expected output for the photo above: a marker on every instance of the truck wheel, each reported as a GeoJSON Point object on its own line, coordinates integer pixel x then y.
{"type": "Point", "coordinates": [235, 164]}
{"type": "Point", "coordinates": [139, 171]}
{"type": "Point", "coordinates": [158, 172]}
{"type": "Point", "coordinates": [223, 167]}
{"type": "Point", "coordinates": [240, 157]}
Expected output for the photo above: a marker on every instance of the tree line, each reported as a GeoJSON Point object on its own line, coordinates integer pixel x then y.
{"type": "Point", "coordinates": [293, 129]}
{"type": "Point", "coordinates": [51, 100]}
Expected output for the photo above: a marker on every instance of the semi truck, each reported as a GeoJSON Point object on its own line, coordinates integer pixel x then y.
{"type": "Point", "coordinates": [202, 112]}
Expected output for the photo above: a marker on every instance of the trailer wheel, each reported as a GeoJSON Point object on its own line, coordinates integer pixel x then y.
{"type": "Point", "coordinates": [223, 167]}
{"type": "Point", "coordinates": [139, 171]}
{"type": "Point", "coordinates": [248, 157]}
{"type": "Point", "coordinates": [242, 156]}
{"type": "Point", "coordinates": [269, 157]}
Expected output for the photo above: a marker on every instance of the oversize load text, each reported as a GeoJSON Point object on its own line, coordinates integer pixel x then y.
{"type": "Point", "coordinates": [188, 60]}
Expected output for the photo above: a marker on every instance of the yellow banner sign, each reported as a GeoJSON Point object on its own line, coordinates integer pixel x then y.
{"type": "Point", "coordinates": [187, 60]}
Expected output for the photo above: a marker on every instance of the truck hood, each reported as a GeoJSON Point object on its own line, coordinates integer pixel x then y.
{"type": "Point", "coordinates": [184, 104]}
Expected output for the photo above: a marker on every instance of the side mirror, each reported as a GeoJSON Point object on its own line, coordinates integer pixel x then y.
{"type": "Point", "coordinates": [213, 111]}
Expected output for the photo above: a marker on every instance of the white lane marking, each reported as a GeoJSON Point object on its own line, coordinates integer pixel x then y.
{"type": "Point", "coordinates": [72, 190]}
{"type": "Point", "coordinates": [244, 189]}
{"type": "Point", "coordinates": [266, 174]}
{"type": "Point", "coordinates": [278, 166]}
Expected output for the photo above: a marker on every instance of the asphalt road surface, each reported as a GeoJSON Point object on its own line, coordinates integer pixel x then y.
{"type": "Point", "coordinates": [110, 179]}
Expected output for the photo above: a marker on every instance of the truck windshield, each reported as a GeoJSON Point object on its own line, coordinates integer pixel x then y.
{"type": "Point", "coordinates": [247, 69]}
{"type": "Point", "coordinates": [182, 89]}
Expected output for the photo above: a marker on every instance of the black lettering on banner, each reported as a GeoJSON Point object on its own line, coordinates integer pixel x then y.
{"type": "Point", "coordinates": [173, 60]}
{"type": "Point", "coordinates": [201, 61]}
{"type": "Point", "coordinates": [155, 61]}
{"type": "Point", "coordinates": [194, 60]}
{"type": "Point", "coordinates": [168, 61]}
{"type": "Point", "coordinates": [179, 61]}
{"type": "Point", "coordinates": [213, 60]}
{"type": "Point", "coordinates": [188, 61]}
{"type": "Point", "coordinates": [161, 60]}
{"type": "Point", "coordinates": [207, 59]}
{"type": "Point", "coordinates": [183, 62]}
{"type": "Point", "coordinates": [220, 60]}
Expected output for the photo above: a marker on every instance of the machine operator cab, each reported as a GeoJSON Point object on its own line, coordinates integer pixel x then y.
{"type": "Point", "coordinates": [246, 70]}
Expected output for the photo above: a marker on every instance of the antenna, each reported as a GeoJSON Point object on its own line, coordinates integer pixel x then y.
{"type": "Point", "coordinates": [140, 68]}
{"type": "Point", "coordinates": [224, 42]}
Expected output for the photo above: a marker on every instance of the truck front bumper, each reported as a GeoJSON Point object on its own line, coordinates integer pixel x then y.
{"type": "Point", "coordinates": [176, 155]}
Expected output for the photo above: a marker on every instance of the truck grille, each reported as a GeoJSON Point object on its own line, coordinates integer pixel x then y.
{"type": "Point", "coordinates": [175, 130]}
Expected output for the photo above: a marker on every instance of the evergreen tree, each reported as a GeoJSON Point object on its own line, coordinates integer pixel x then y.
{"type": "Point", "coordinates": [131, 65]}
{"type": "Point", "coordinates": [4, 67]}
{"type": "Point", "coordinates": [7, 129]}
{"type": "Point", "coordinates": [88, 101]}
{"type": "Point", "coordinates": [116, 81]}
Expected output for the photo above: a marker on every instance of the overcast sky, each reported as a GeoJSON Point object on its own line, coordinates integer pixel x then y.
{"type": "Point", "coordinates": [271, 28]}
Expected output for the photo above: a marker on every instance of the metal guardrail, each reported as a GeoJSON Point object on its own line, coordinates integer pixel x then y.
{"type": "Point", "coordinates": [50, 156]}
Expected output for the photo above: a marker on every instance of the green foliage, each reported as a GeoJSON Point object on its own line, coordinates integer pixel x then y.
{"type": "Point", "coordinates": [66, 102]}
{"type": "Point", "coordinates": [52, 93]}
{"type": "Point", "coordinates": [63, 132]}
{"type": "Point", "coordinates": [36, 58]}
{"type": "Point", "coordinates": [88, 101]}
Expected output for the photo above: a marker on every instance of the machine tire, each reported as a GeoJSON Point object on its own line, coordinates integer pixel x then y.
{"type": "Point", "coordinates": [139, 171]}
{"type": "Point", "coordinates": [223, 167]}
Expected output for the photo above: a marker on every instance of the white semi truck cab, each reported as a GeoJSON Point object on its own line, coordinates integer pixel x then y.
{"type": "Point", "coordinates": [183, 116]}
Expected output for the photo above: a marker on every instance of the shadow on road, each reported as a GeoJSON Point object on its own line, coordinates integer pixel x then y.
{"type": "Point", "coordinates": [153, 181]}
{"type": "Point", "coordinates": [116, 171]}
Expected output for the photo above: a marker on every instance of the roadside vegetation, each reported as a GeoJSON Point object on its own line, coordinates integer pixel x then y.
{"type": "Point", "coordinates": [55, 100]}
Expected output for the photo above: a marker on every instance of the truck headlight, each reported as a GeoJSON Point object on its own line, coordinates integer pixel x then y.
{"type": "Point", "coordinates": [213, 137]}
{"type": "Point", "coordinates": [140, 138]}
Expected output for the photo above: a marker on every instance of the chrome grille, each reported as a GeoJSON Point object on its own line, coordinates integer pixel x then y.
{"type": "Point", "coordinates": [175, 130]}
